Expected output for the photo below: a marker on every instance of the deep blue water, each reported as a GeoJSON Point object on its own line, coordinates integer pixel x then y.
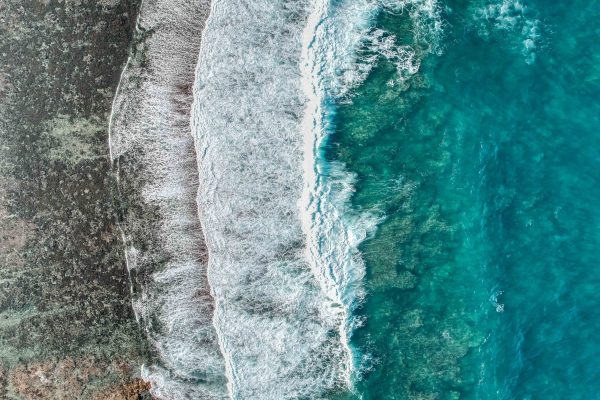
{"type": "Point", "coordinates": [483, 279]}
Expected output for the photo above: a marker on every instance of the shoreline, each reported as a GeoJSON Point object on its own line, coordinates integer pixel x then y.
{"type": "Point", "coordinates": [155, 162]}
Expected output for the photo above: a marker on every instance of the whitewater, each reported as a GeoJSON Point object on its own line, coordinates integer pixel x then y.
{"type": "Point", "coordinates": [283, 259]}
{"type": "Point", "coordinates": [241, 243]}
{"type": "Point", "coordinates": [279, 331]}
{"type": "Point", "coordinates": [153, 158]}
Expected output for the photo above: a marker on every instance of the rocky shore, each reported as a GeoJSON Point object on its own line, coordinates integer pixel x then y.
{"type": "Point", "coordinates": [67, 330]}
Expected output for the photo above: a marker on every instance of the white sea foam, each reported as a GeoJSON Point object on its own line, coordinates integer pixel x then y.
{"type": "Point", "coordinates": [350, 46]}
{"type": "Point", "coordinates": [278, 331]}
{"type": "Point", "coordinates": [342, 47]}
{"type": "Point", "coordinates": [512, 16]}
{"type": "Point", "coordinates": [329, 63]}
{"type": "Point", "coordinates": [285, 279]}
{"type": "Point", "coordinates": [152, 148]}
{"type": "Point", "coordinates": [427, 22]}
{"type": "Point", "coordinates": [284, 333]}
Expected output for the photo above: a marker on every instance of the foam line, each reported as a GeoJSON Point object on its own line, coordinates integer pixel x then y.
{"type": "Point", "coordinates": [341, 46]}
{"type": "Point", "coordinates": [332, 232]}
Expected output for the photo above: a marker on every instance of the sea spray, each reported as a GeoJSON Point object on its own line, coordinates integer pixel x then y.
{"type": "Point", "coordinates": [279, 329]}
{"type": "Point", "coordinates": [342, 46]}
{"type": "Point", "coordinates": [153, 153]}
{"type": "Point", "coordinates": [332, 238]}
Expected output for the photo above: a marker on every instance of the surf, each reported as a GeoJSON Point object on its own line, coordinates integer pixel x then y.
{"type": "Point", "coordinates": [152, 152]}
{"type": "Point", "coordinates": [279, 329]}
{"type": "Point", "coordinates": [342, 46]}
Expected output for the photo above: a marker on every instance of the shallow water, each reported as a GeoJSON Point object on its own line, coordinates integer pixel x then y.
{"type": "Point", "coordinates": [483, 165]}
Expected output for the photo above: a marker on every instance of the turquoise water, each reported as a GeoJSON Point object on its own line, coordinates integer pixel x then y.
{"type": "Point", "coordinates": [482, 278]}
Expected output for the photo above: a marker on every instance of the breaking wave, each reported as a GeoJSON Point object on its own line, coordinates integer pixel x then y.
{"type": "Point", "coordinates": [153, 154]}
{"type": "Point", "coordinates": [285, 279]}
{"type": "Point", "coordinates": [342, 46]}
{"type": "Point", "coordinates": [278, 330]}
{"type": "Point", "coordinates": [255, 298]}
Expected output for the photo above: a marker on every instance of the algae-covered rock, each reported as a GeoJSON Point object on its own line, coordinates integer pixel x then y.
{"type": "Point", "coordinates": [67, 330]}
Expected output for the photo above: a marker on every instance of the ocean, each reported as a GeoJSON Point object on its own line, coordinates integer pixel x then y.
{"type": "Point", "coordinates": [300, 199]}
{"type": "Point", "coordinates": [398, 197]}
{"type": "Point", "coordinates": [482, 167]}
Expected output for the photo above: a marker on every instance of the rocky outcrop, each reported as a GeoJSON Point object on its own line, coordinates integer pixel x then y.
{"type": "Point", "coordinates": [67, 330]}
